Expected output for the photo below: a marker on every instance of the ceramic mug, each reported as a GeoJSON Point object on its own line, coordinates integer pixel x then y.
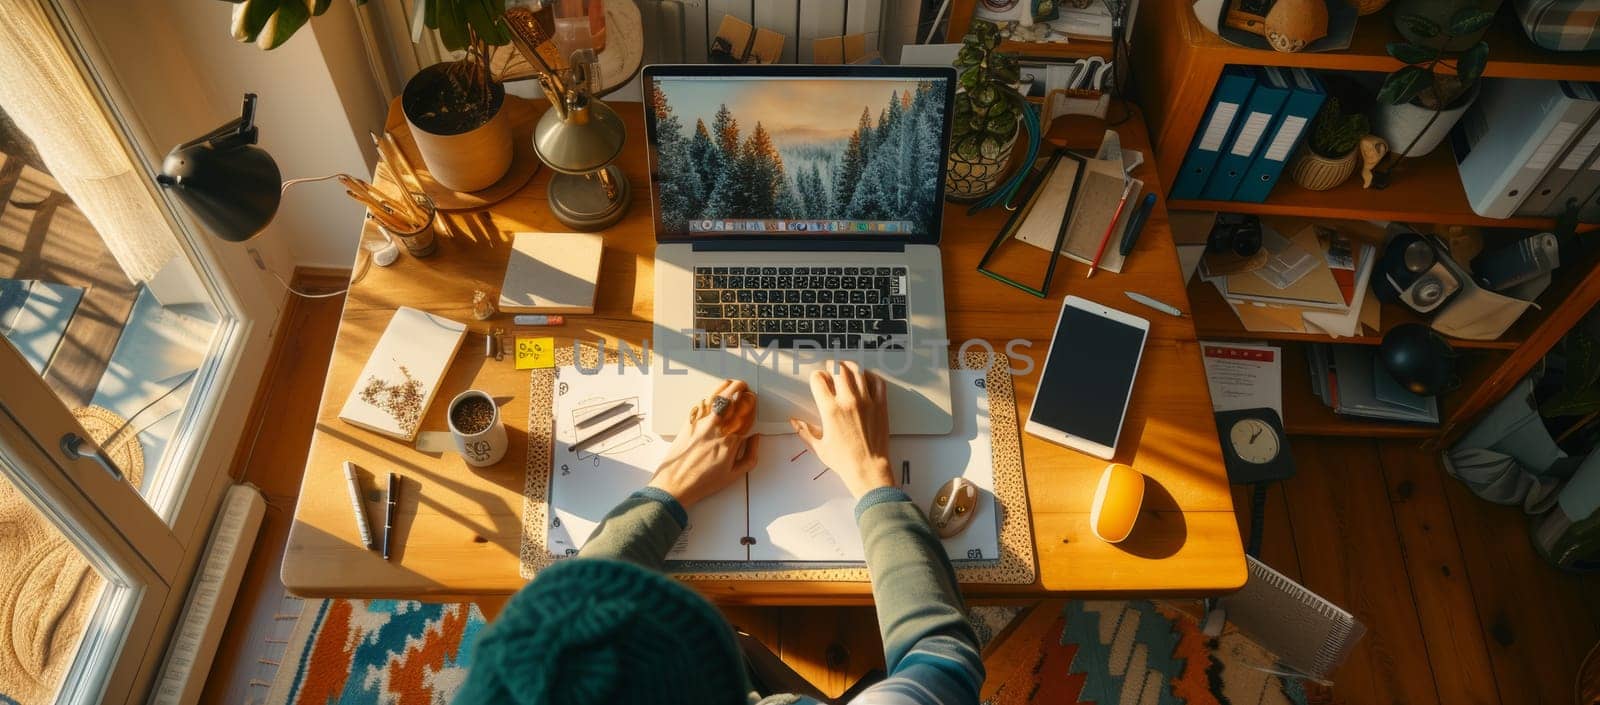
{"type": "Point", "coordinates": [488, 445]}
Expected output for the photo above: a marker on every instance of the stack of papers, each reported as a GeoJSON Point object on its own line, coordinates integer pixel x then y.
{"type": "Point", "coordinates": [1313, 282]}
{"type": "Point", "coordinates": [1349, 381]}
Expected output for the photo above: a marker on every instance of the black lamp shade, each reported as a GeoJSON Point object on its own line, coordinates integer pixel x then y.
{"type": "Point", "coordinates": [226, 181]}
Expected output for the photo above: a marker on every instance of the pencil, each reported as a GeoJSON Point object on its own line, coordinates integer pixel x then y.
{"type": "Point", "coordinates": [356, 505]}
{"type": "Point", "coordinates": [1110, 227]}
{"type": "Point", "coordinates": [619, 423]}
{"type": "Point", "coordinates": [388, 513]}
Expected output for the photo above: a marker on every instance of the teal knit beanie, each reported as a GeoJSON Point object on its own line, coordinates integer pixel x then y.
{"type": "Point", "coordinates": [591, 631]}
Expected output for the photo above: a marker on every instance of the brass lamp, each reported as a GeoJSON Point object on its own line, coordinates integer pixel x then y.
{"type": "Point", "coordinates": [578, 137]}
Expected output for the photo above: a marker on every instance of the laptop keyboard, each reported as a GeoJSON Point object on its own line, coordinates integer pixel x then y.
{"type": "Point", "coordinates": [847, 308]}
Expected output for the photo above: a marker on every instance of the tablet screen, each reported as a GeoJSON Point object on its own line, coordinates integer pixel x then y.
{"type": "Point", "coordinates": [1088, 376]}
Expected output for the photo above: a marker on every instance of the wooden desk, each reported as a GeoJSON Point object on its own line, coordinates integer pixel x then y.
{"type": "Point", "coordinates": [458, 530]}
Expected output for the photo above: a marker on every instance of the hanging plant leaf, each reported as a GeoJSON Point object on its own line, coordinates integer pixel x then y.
{"type": "Point", "coordinates": [1403, 85]}
{"type": "Point", "coordinates": [1409, 53]}
{"type": "Point", "coordinates": [1001, 126]}
{"type": "Point", "coordinates": [481, 17]}
{"type": "Point", "coordinates": [985, 95]}
{"type": "Point", "coordinates": [1469, 20]}
{"type": "Point", "coordinates": [963, 109]}
{"type": "Point", "coordinates": [971, 78]}
{"type": "Point", "coordinates": [1008, 75]}
{"type": "Point", "coordinates": [1472, 62]}
{"type": "Point", "coordinates": [1420, 26]}
{"type": "Point", "coordinates": [452, 25]}
{"type": "Point", "coordinates": [250, 16]}
{"type": "Point", "coordinates": [959, 128]}
{"type": "Point", "coordinates": [290, 17]}
{"type": "Point", "coordinates": [430, 14]}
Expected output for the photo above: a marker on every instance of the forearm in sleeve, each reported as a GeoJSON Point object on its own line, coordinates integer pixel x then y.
{"type": "Point", "coordinates": [928, 645]}
{"type": "Point", "coordinates": [640, 529]}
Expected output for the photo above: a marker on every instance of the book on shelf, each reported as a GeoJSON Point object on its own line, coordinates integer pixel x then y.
{"type": "Point", "coordinates": [1349, 380]}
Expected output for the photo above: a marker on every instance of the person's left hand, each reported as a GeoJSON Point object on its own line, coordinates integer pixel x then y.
{"type": "Point", "coordinates": [711, 449]}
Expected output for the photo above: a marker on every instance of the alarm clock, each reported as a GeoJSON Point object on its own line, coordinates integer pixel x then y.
{"type": "Point", "coordinates": [1254, 446]}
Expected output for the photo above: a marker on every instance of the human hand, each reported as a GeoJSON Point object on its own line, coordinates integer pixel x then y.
{"type": "Point", "coordinates": [854, 438]}
{"type": "Point", "coordinates": [711, 449]}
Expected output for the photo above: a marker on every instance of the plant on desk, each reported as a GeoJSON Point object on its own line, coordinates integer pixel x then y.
{"type": "Point", "coordinates": [1329, 155]}
{"type": "Point", "coordinates": [1418, 105]}
{"type": "Point", "coordinates": [988, 113]}
{"type": "Point", "coordinates": [455, 109]}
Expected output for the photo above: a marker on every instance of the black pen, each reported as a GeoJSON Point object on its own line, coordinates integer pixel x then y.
{"type": "Point", "coordinates": [1130, 233]}
{"type": "Point", "coordinates": [388, 513]}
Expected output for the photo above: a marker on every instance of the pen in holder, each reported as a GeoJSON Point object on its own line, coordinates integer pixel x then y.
{"type": "Point", "coordinates": [419, 241]}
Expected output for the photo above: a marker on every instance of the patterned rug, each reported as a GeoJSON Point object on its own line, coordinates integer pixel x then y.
{"type": "Point", "coordinates": [367, 652]}
{"type": "Point", "coordinates": [1138, 652]}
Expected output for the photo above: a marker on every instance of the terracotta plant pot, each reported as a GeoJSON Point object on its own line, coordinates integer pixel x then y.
{"type": "Point", "coordinates": [1319, 173]}
{"type": "Point", "coordinates": [1400, 124]}
{"type": "Point", "coordinates": [468, 155]}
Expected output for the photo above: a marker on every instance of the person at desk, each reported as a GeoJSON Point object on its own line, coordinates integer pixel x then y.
{"type": "Point", "coordinates": [610, 627]}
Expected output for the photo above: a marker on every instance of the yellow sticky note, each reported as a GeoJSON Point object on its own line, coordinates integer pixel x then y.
{"type": "Point", "coordinates": [536, 353]}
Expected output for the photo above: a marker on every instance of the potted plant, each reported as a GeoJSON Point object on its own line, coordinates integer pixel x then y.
{"type": "Point", "coordinates": [1329, 155]}
{"type": "Point", "coordinates": [1418, 21]}
{"type": "Point", "coordinates": [987, 115]}
{"type": "Point", "coordinates": [1418, 105]}
{"type": "Point", "coordinates": [455, 108]}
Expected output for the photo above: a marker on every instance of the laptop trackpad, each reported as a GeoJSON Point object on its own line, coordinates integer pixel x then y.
{"type": "Point", "coordinates": [786, 393]}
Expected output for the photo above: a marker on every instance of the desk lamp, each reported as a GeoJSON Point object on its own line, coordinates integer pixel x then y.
{"type": "Point", "coordinates": [233, 186]}
{"type": "Point", "coordinates": [579, 136]}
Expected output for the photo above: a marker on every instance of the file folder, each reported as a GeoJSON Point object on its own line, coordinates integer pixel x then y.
{"type": "Point", "coordinates": [1266, 101]}
{"type": "Point", "coordinates": [1533, 121]}
{"type": "Point", "coordinates": [1286, 134]}
{"type": "Point", "coordinates": [1227, 101]}
{"type": "Point", "coordinates": [1547, 198]}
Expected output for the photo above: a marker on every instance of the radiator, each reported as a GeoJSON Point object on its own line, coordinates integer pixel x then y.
{"type": "Point", "coordinates": [680, 31]}
{"type": "Point", "coordinates": [205, 612]}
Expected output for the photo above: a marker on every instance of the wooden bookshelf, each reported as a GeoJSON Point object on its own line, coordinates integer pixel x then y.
{"type": "Point", "coordinates": [1215, 320]}
{"type": "Point", "coordinates": [1424, 189]}
{"type": "Point", "coordinates": [1511, 55]}
{"type": "Point", "coordinates": [1176, 64]}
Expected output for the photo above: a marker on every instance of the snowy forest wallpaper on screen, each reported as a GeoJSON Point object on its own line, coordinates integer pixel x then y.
{"type": "Point", "coordinates": [797, 149]}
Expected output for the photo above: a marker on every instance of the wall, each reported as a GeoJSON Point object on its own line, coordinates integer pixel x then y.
{"type": "Point", "coordinates": [185, 74]}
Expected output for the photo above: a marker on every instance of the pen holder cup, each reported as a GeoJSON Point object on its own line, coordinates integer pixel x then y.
{"type": "Point", "coordinates": [475, 411]}
{"type": "Point", "coordinates": [423, 241]}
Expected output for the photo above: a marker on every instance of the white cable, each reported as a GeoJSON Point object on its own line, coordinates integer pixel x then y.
{"type": "Point", "coordinates": [937, 17]}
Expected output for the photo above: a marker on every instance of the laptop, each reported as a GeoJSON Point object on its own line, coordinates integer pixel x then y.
{"type": "Point", "coordinates": [797, 216]}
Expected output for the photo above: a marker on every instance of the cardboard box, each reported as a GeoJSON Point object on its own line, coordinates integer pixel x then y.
{"type": "Point", "coordinates": [739, 42]}
{"type": "Point", "coordinates": [847, 49]}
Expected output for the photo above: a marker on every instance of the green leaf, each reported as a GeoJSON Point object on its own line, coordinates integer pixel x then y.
{"type": "Point", "coordinates": [452, 25]}
{"type": "Point", "coordinates": [1409, 53]}
{"type": "Point", "coordinates": [430, 13]}
{"type": "Point", "coordinates": [967, 147]}
{"type": "Point", "coordinates": [481, 20]}
{"type": "Point", "coordinates": [991, 147]}
{"type": "Point", "coordinates": [1420, 26]}
{"type": "Point", "coordinates": [1468, 20]}
{"type": "Point", "coordinates": [319, 7]}
{"type": "Point", "coordinates": [290, 17]}
{"type": "Point", "coordinates": [1472, 62]}
{"type": "Point", "coordinates": [1403, 85]}
{"type": "Point", "coordinates": [250, 16]}
{"type": "Point", "coordinates": [1001, 125]}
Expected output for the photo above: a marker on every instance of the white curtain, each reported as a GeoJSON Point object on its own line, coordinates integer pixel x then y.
{"type": "Point", "coordinates": [44, 93]}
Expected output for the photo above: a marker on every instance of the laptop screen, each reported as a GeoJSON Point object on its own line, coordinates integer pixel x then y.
{"type": "Point", "coordinates": [798, 152]}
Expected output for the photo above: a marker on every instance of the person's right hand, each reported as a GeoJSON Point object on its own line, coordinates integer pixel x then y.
{"type": "Point", "coordinates": [854, 438]}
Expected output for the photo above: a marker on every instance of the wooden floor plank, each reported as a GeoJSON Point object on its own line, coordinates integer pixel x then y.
{"type": "Point", "coordinates": [1439, 586]}
{"type": "Point", "coordinates": [1349, 553]}
{"type": "Point", "coordinates": [273, 459]}
{"type": "Point", "coordinates": [831, 646]}
{"type": "Point", "coordinates": [1535, 621]}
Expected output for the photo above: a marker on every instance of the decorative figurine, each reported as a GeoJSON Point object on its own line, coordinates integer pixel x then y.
{"type": "Point", "coordinates": [1373, 150]}
{"type": "Point", "coordinates": [1292, 25]}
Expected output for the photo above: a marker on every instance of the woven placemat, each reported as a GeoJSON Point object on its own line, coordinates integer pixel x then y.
{"type": "Point", "coordinates": [1017, 564]}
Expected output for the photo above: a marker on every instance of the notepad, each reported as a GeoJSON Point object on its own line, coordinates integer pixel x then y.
{"type": "Point", "coordinates": [402, 375]}
{"type": "Point", "coordinates": [790, 508]}
{"type": "Point", "coordinates": [552, 273]}
{"type": "Point", "coordinates": [1099, 191]}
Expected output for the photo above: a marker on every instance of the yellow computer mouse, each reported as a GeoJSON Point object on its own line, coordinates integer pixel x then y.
{"type": "Point", "coordinates": [1116, 503]}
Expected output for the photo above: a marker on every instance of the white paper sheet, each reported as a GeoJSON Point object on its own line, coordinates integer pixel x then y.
{"type": "Point", "coordinates": [793, 508]}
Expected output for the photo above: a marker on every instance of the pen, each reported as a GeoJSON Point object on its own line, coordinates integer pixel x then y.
{"type": "Point", "coordinates": [619, 423]}
{"type": "Point", "coordinates": [1166, 308]}
{"type": "Point", "coordinates": [596, 416]}
{"type": "Point", "coordinates": [1105, 239]}
{"type": "Point", "coordinates": [1130, 234]}
{"type": "Point", "coordinates": [388, 513]}
{"type": "Point", "coordinates": [355, 503]}
{"type": "Point", "coordinates": [539, 319]}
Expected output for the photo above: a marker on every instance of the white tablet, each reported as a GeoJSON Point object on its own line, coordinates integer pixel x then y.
{"type": "Point", "coordinates": [1088, 377]}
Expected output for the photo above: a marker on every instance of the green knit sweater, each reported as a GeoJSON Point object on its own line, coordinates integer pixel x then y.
{"type": "Point", "coordinates": [930, 650]}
